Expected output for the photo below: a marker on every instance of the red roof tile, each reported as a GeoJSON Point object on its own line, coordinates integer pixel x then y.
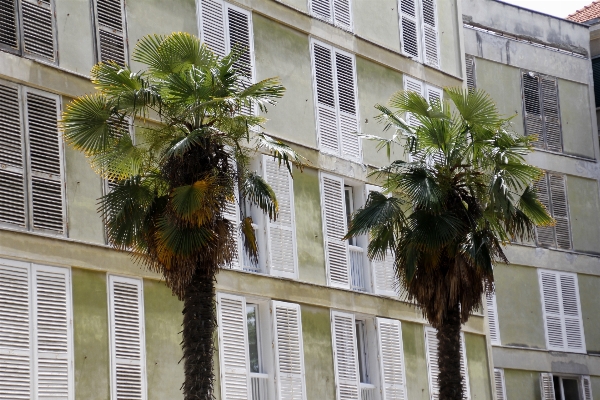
{"type": "Point", "coordinates": [588, 12]}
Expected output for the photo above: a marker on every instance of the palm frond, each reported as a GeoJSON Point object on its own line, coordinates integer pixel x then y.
{"type": "Point", "coordinates": [280, 151]}
{"type": "Point", "coordinates": [258, 192]}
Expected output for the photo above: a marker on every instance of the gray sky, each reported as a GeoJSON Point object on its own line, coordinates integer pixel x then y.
{"type": "Point", "coordinates": [559, 8]}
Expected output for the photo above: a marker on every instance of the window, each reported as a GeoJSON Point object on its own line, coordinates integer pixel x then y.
{"type": "Point", "coordinates": [127, 340]}
{"type": "Point", "coordinates": [247, 371]}
{"type": "Point", "coordinates": [419, 30]}
{"type": "Point", "coordinates": [431, 93]}
{"type": "Point", "coordinates": [492, 316]}
{"type": "Point", "coordinates": [499, 384]}
{"type": "Point", "coordinates": [363, 357]}
{"type": "Point", "coordinates": [596, 72]}
{"type": "Point", "coordinates": [470, 69]}
{"type": "Point", "coordinates": [552, 192]}
{"type": "Point", "coordinates": [31, 167]}
{"type": "Point", "coordinates": [111, 32]}
{"type": "Point", "coordinates": [36, 352]}
{"type": "Point", "coordinates": [541, 110]}
{"type": "Point", "coordinates": [431, 350]}
{"type": "Point", "coordinates": [562, 311]}
{"type": "Point", "coordinates": [337, 12]}
{"type": "Point", "coordinates": [27, 28]}
{"type": "Point", "coordinates": [334, 79]}
{"type": "Point", "coordinates": [555, 387]}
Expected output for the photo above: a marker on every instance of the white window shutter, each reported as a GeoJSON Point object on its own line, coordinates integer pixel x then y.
{"type": "Point", "coordinates": [569, 291]}
{"type": "Point", "coordinates": [239, 34]}
{"type": "Point", "coordinates": [52, 332]}
{"type": "Point", "coordinates": [431, 350]}
{"type": "Point", "coordinates": [9, 38]}
{"type": "Point", "coordinates": [464, 369]}
{"type": "Point", "coordinates": [12, 163]}
{"type": "Point", "coordinates": [289, 353]}
{"type": "Point", "coordinates": [38, 29]}
{"type": "Point", "coordinates": [327, 125]}
{"type": "Point", "coordinates": [532, 107]}
{"type": "Point", "coordinates": [551, 112]}
{"type": "Point", "coordinates": [334, 229]}
{"type": "Point", "coordinates": [544, 234]}
{"type": "Point", "coordinates": [499, 384]}
{"type": "Point", "coordinates": [232, 214]}
{"type": "Point", "coordinates": [434, 95]}
{"type": "Point", "coordinates": [212, 27]}
{"type": "Point", "coordinates": [42, 113]}
{"type": "Point", "coordinates": [110, 31]}
{"type": "Point", "coordinates": [471, 74]}
{"type": "Point", "coordinates": [15, 338]}
{"type": "Point", "coordinates": [322, 9]}
{"type": "Point", "coordinates": [586, 388]}
{"type": "Point", "coordinates": [345, 71]}
{"type": "Point", "coordinates": [281, 234]}
{"type": "Point", "coordinates": [560, 210]}
{"type": "Point", "coordinates": [391, 359]}
{"type": "Point", "coordinates": [233, 347]}
{"type": "Point", "coordinates": [127, 342]}
{"type": "Point", "coordinates": [429, 24]}
{"type": "Point", "coordinates": [342, 14]}
{"type": "Point", "coordinates": [547, 386]}
{"type": "Point", "coordinates": [413, 85]}
{"type": "Point", "coordinates": [492, 315]}
{"type": "Point", "coordinates": [345, 356]}
{"type": "Point", "coordinates": [409, 27]}
{"type": "Point", "coordinates": [550, 288]}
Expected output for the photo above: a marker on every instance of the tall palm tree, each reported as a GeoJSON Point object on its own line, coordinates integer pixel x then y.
{"type": "Point", "coordinates": [173, 184]}
{"type": "Point", "coordinates": [465, 192]}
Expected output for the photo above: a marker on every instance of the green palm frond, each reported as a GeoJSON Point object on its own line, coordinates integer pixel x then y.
{"type": "Point", "coordinates": [86, 124]}
{"type": "Point", "coordinates": [258, 192]}
{"type": "Point", "coordinates": [280, 151]}
{"type": "Point", "coordinates": [196, 203]}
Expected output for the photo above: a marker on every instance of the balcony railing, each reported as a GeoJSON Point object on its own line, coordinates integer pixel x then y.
{"type": "Point", "coordinates": [248, 264]}
{"type": "Point", "coordinates": [259, 386]}
{"type": "Point", "coordinates": [357, 269]}
{"type": "Point", "coordinates": [368, 391]}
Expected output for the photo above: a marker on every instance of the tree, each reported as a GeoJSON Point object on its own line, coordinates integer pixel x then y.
{"type": "Point", "coordinates": [465, 192]}
{"type": "Point", "coordinates": [173, 183]}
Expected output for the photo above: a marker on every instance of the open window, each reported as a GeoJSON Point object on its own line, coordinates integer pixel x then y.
{"type": "Point", "coordinates": [565, 387]}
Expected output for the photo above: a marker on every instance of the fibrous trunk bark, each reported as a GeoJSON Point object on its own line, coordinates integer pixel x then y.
{"type": "Point", "coordinates": [448, 335]}
{"type": "Point", "coordinates": [199, 324]}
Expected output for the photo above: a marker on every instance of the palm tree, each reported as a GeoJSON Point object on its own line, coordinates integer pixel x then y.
{"type": "Point", "coordinates": [175, 181]}
{"type": "Point", "coordinates": [465, 192]}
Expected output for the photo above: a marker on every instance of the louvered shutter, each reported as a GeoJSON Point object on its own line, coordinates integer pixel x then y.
{"type": "Point", "coordinates": [52, 331]}
{"type": "Point", "coordinates": [45, 168]}
{"type": "Point", "coordinates": [212, 26]}
{"type": "Point", "coordinates": [334, 228]}
{"type": "Point", "coordinates": [233, 347]}
{"type": "Point", "coordinates": [547, 386]}
{"type": "Point", "coordinates": [430, 33]}
{"type": "Point", "coordinates": [289, 354]}
{"type": "Point", "coordinates": [327, 126]}
{"type": "Point", "coordinates": [434, 95]}
{"type": "Point", "coordinates": [37, 27]}
{"type": "Point", "coordinates": [544, 234]}
{"type": "Point", "coordinates": [15, 338]}
{"type": "Point", "coordinates": [12, 170]}
{"type": "Point", "coordinates": [347, 104]}
{"type": "Point", "coordinates": [492, 314]}
{"type": "Point", "coordinates": [532, 107]}
{"type": "Point", "coordinates": [550, 288]}
{"type": "Point", "coordinates": [409, 27]}
{"type": "Point", "coordinates": [499, 384]}
{"type": "Point", "coordinates": [322, 9]}
{"type": "Point", "coordinates": [342, 14]}
{"type": "Point", "coordinates": [464, 371]}
{"type": "Point", "coordinates": [239, 23]}
{"type": "Point", "coordinates": [571, 311]}
{"type": "Point", "coordinates": [345, 356]}
{"type": "Point", "coordinates": [551, 113]}
{"type": "Point", "coordinates": [586, 388]}
{"type": "Point", "coordinates": [281, 234]}
{"type": "Point", "coordinates": [413, 85]}
{"type": "Point", "coordinates": [9, 38]}
{"type": "Point", "coordinates": [431, 350]}
{"type": "Point", "coordinates": [127, 350]}
{"type": "Point", "coordinates": [391, 359]}
{"type": "Point", "coordinates": [471, 78]}
{"type": "Point", "coordinates": [560, 210]}
{"type": "Point", "coordinates": [111, 33]}
{"type": "Point", "coordinates": [231, 212]}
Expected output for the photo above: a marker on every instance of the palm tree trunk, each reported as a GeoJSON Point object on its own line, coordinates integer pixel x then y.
{"type": "Point", "coordinates": [448, 335]}
{"type": "Point", "coordinates": [199, 324]}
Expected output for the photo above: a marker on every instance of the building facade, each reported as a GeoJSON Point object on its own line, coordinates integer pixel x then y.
{"type": "Point", "coordinates": [314, 318]}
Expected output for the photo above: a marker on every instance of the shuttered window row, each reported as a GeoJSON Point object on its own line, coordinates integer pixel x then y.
{"type": "Point", "coordinates": [419, 31]}
{"type": "Point", "coordinates": [562, 311]}
{"type": "Point", "coordinates": [541, 110]}
{"type": "Point", "coordinates": [36, 356]}
{"type": "Point", "coordinates": [337, 12]}
{"type": "Point", "coordinates": [552, 192]}
{"type": "Point", "coordinates": [27, 27]}
{"type": "Point", "coordinates": [556, 387]}
{"type": "Point", "coordinates": [334, 78]}
{"type": "Point", "coordinates": [31, 167]}
{"type": "Point", "coordinates": [111, 32]}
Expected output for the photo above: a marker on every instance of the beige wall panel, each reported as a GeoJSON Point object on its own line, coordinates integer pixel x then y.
{"type": "Point", "coordinates": [521, 385]}
{"type": "Point", "coordinates": [377, 22]}
{"type": "Point", "coordinates": [519, 306]}
{"type": "Point", "coordinates": [584, 209]}
{"type": "Point", "coordinates": [413, 340]}
{"type": "Point", "coordinates": [283, 52]}
{"type": "Point", "coordinates": [477, 364]}
{"type": "Point", "coordinates": [576, 119]}
{"type": "Point", "coordinates": [589, 296]}
{"type": "Point", "coordinates": [450, 27]}
{"type": "Point", "coordinates": [76, 44]}
{"type": "Point", "coordinates": [301, 5]}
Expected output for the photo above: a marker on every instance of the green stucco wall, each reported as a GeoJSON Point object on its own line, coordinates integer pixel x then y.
{"type": "Point", "coordinates": [584, 209]}
{"type": "Point", "coordinates": [413, 340]}
{"type": "Point", "coordinates": [477, 364]}
{"type": "Point", "coordinates": [318, 353]}
{"type": "Point", "coordinates": [283, 52]}
{"type": "Point", "coordinates": [595, 384]}
{"type": "Point", "coordinates": [90, 335]}
{"type": "Point", "coordinates": [522, 385]}
{"type": "Point", "coordinates": [577, 132]}
{"type": "Point", "coordinates": [519, 306]}
{"type": "Point", "coordinates": [589, 297]}
{"type": "Point", "coordinates": [75, 38]}
{"type": "Point", "coordinates": [162, 313]}
{"type": "Point", "coordinates": [309, 228]}
{"type": "Point", "coordinates": [386, 32]}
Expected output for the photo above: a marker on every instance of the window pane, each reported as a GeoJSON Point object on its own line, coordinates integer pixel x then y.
{"type": "Point", "coordinates": [349, 210]}
{"type": "Point", "coordinates": [253, 348]}
{"type": "Point", "coordinates": [571, 389]}
{"type": "Point", "coordinates": [362, 354]}
{"type": "Point", "coordinates": [557, 391]}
